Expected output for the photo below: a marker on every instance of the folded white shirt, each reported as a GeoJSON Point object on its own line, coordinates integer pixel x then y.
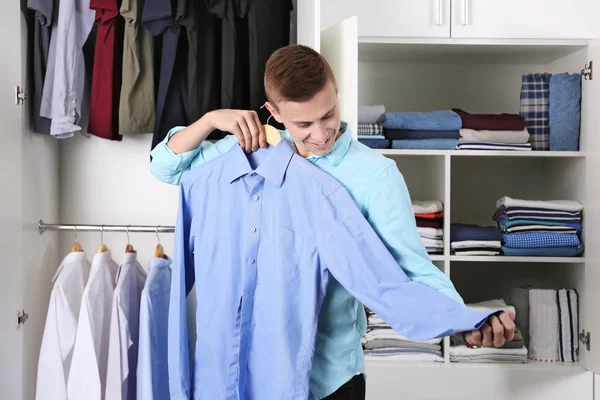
{"type": "Point", "coordinates": [432, 233]}
{"type": "Point", "coordinates": [491, 305]}
{"type": "Point", "coordinates": [427, 206]}
{"type": "Point", "coordinates": [560, 205]}
{"type": "Point", "coordinates": [393, 335]}
{"type": "Point", "coordinates": [432, 242]}
{"type": "Point", "coordinates": [465, 351]}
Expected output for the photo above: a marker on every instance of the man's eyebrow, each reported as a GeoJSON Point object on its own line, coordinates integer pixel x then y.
{"type": "Point", "coordinates": [308, 122]}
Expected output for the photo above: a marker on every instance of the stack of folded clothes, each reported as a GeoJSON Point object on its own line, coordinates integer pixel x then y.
{"type": "Point", "coordinates": [423, 130]}
{"type": "Point", "coordinates": [492, 132]}
{"type": "Point", "coordinates": [540, 228]}
{"type": "Point", "coordinates": [382, 342]}
{"type": "Point", "coordinates": [429, 215]}
{"type": "Point", "coordinates": [370, 126]}
{"type": "Point", "coordinates": [514, 351]}
{"type": "Point", "coordinates": [475, 240]}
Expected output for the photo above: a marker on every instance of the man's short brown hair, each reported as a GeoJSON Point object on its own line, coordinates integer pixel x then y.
{"type": "Point", "coordinates": [296, 73]}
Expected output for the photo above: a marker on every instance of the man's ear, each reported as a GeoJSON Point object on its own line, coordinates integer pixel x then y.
{"type": "Point", "coordinates": [273, 112]}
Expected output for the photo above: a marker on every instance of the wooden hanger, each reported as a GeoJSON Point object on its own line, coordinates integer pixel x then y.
{"type": "Point", "coordinates": [76, 248]}
{"type": "Point", "coordinates": [159, 252]}
{"type": "Point", "coordinates": [102, 248]}
{"type": "Point", "coordinates": [129, 248]}
{"type": "Point", "coordinates": [273, 136]}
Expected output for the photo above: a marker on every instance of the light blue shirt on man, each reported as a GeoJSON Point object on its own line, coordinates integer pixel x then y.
{"type": "Point", "coordinates": [378, 189]}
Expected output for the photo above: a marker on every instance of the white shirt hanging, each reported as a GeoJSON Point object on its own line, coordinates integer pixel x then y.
{"type": "Point", "coordinates": [87, 378]}
{"type": "Point", "coordinates": [61, 324]}
{"type": "Point", "coordinates": [124, 330]}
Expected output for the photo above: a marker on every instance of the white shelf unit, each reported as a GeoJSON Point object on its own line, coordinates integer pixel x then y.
{"type": "Point", "coordinates": [484, 76]}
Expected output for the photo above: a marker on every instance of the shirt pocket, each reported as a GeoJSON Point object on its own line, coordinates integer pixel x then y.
{"type": "Point", "coordinates": [288, 245]}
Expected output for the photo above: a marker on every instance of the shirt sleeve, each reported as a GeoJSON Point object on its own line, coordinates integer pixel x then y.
{"type": "Point", "coordinates": [181, 284]}
{"type": "Point", "coordinates": [114, 370]}
{"type": "Point", "coordinates": [351, 250]}
{"type": "Point", "coordinates": [390, 213]}
{"type": "Point", "coordinates": [169, 167]}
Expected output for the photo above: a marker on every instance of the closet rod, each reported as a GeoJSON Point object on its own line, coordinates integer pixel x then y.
{"type": "Point", "coordinates": [106, 228]}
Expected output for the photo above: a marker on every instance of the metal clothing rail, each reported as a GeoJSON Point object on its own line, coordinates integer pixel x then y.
{"type": "Point", "coordinates": [105, 228]}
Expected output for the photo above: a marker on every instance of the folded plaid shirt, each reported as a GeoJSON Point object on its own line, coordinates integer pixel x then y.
{"type": "Point", "coordinates": [370, 129]}
{"type": "Point", "coordinates": [530, 240]}
{"type": "Point", "coordinates": [535, 108]}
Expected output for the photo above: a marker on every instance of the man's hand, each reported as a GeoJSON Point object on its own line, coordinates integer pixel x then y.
{"type": "Point", "coordinates": [244, 124]}
{"type": "Point", "coordinates": [497, 330]}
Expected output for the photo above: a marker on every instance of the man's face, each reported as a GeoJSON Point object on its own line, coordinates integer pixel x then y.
{"type": "Point", "coordinates": [313, 124]}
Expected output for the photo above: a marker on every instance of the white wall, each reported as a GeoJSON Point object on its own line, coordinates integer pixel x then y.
{"type": "Point", "coordinates": [104, 182]}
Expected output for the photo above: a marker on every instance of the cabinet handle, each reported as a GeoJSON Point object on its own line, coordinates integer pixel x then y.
{"type": "Point", "coordinates": [465, 12]}
{"type": "Point", "coordinates": [440, 14]}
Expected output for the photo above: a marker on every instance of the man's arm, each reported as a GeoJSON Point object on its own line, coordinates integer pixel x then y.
{"type": "Point", "coordinates": [185, 147]}
{"type": "Point", "coordinates": [390, 213]}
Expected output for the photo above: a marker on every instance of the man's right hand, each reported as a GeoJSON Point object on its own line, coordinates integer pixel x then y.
{"type": "Point", "coordinates": [244, 124]}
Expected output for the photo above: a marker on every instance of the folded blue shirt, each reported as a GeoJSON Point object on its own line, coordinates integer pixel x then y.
{"type": "Point", "coordinates": [434, 120]}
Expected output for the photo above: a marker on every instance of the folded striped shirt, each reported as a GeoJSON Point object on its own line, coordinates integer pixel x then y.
{"type": "Point", "coordinates": [528, 240]}
{"type": "Point", "coordinates": [511, 213]}
{"type": "Point", "coordinates": [539, 228]}
{"type": "Point", "coordinates": [505, 224]}
{"type": "Point", "coordinates": [369, 129]}
{"type": "Point", "coordinates": [493, 146]}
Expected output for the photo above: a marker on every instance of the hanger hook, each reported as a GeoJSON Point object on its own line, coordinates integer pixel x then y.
{"type": "Point", "coordinates": [127, 232]}
{"type": "Point", "coordinates": [75, 232]}
{"type": "Point", "coordinates": [157, 237]}
{"type": "Point", "coordinates": [101, 234]}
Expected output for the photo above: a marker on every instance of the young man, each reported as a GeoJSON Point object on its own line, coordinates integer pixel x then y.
{"type": "Point", "coordinates": [302, 95]}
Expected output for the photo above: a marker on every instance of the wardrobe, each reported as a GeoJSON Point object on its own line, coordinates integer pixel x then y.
{"type": "Point", "coordinates": [407, 54]}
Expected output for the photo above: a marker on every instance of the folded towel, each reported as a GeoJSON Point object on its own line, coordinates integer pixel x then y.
{"type": "Point", "coordinates": [539, 228]}
{"type": "Point", "coordinates": [565, 112]}
{"type": "Point", "coordinates": [528, 240]}
{"type": "Point", "coordinates": [519, 298]}
{"type": "Point", "coordinates": [493, 146]}
{"type": "Point", "coordinates": [430, 233]}
{"type": "Point", "coordinates": [559, 205]}
{"type": "Point", "coordinates": [476, 243]}
{"type": "Point", "coordinates": [427, 206]}
{"type": "Point", "coordinates": [437, 244]}
{"type": "Point", "coordinates": [460, 232]}
{"type": "Point", "coordinates": [544, 251]}
{"type": "Point", "coordinates": [429, 121]}
{"type": "Point", "coordinates": [568, 318]}
{"type": "Point", "coordinates": [505, 224]}
{"type": "Point", "coordinates": [371, 114]}
{"type": "Point", "coordinates": [430, 223]}
{"type": "Point", "coordinates": [543, 325]}
{"type": "Point", "coordinates": [512, 213]}
{"type": "Point", "coordinates": [439, 214]}
{"type": "Point", "coordinates": [425, 144]}
{"type": "Point", "coordinates": [491, 305]}
{"type": "Point", "coordinates": [476, 252]}
{"type": "Point", "coordinates": [403, 355]}
{"type": "Point", "coordinates": [535, 108]}
{"type": "Point", "coordinates": [375, 143]}
{"type": "Point", "coordinates": [491, 122]}
{"type": "Point", "coordinates": [507, 137]}
{"type": "Point", "coordinates": [369, 129]}
{"type": "Point", "coordinates": [395, 134]}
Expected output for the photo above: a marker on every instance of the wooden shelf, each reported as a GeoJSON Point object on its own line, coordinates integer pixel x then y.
{"type": "Point", "coordinates": [511, 259]}
{"type": "Point", "coordinates": [483, 153]}
{"type": "Point", "coordinates": [465, 51]}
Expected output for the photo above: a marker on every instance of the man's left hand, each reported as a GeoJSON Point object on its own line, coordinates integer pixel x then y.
{"type": "Point", "coordinates": [497, 330]}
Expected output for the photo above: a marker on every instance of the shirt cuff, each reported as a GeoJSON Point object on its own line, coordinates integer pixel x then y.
{"type": "Point", "coordinates": [63, 126]}
{"type": "Point", "coordinates": [167, 158]}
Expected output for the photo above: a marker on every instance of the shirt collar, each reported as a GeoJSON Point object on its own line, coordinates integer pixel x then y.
{"type": "Point", "coordinates": [273, 166]}
{"type": "Point", "coordinates": [339, 149]}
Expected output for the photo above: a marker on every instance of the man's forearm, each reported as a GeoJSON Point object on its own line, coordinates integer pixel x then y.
{"type": "Point", "coordinates": [192, 136]}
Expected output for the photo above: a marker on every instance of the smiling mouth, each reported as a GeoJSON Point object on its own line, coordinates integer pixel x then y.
{"type": "Point", "coordinates": [321, 145]}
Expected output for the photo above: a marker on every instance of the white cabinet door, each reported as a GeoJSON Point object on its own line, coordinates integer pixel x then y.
{"type": "Point", "coordinates": [525, 19]}
{"type": "Point", "coordinates": [391, 18]}
{"type": "Point", "coordinates": [590, 120]}
{"type": "Point", "coordinates": [11, 284]}
{"type": "Point", "coordinates": [339, 46]}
